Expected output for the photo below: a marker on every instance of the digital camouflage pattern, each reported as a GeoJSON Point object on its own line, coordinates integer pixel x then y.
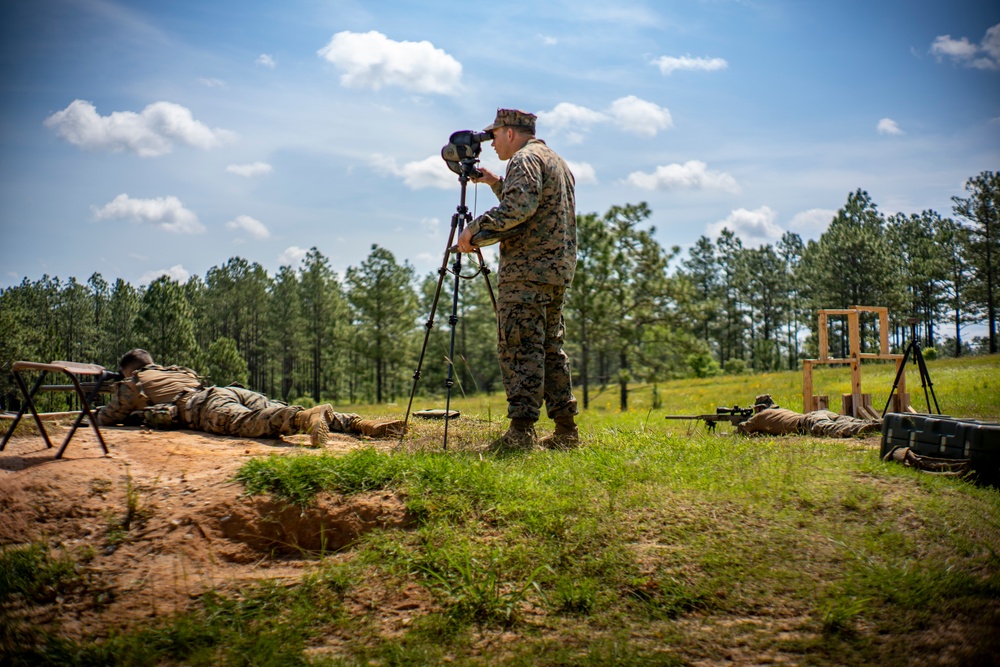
{"type": "Point", "coordinates": [513, 118]}
{"type": "Point", "coordinates": [237, 411]}
{"type": "Point", "coordinates": [821, 423]}
{"type": "Point", "coordinates": [533, 364]}
{"type": "Point", "coordinates": [126, 398]}
{"type": "Point", "coordinates": [536, 218]}
{"type": "Point", "coordinates": [150, 385]}
{"type": "Point", "coordinates": [183, 402]}
{"type": "Point", "coordinates": [163, 417]}
{"type": "Point", "coordinates": [244, 413]}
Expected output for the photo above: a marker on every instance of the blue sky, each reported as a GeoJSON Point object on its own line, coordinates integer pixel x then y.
{"type": "Point", "coordinates": [142, 138]}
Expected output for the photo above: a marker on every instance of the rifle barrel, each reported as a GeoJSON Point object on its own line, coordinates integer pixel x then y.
{"type": "Point", "coordinates": [690, 416]}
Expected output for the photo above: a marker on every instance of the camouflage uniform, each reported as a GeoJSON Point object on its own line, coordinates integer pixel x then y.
{"type": "Point", "coordinates": [244, 413]}
{"type": "Point", "coordinates": [148, 386]}
{"type": "Point", "coordinates": [175, 396]}
{"type": "Point", "coordinates": [536, 222]}
{"type": "Point", "coordinates": [821, 423]}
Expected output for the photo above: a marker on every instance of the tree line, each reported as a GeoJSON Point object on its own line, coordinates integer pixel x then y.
{"type": "Point", "coordinates": [637, 311]}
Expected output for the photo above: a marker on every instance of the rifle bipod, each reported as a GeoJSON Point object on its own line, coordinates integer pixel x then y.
{"type": "Point", "coordinates": [458, 222]}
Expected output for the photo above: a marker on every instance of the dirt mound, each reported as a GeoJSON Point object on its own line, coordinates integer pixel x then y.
{"type": "Point", "coordinates": [160, 520]}
{"type": "Point", "coordinates": [330, 525]}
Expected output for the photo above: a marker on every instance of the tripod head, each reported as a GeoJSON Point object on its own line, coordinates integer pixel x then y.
{"type": "Point", "coordinates": [461, 153]}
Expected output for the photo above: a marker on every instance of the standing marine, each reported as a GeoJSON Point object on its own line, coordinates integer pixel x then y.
{"type": "Point", "coordinates": [535, 223]}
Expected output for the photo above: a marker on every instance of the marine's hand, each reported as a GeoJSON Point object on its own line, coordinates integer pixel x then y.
{"type": "Point", "coordinates": [465, 241]}
{"type": "Point", "coordinates": [487, 177]}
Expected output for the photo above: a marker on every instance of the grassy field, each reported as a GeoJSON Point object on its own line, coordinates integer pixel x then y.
{"type": "Point", "coordinates": [657, 543]}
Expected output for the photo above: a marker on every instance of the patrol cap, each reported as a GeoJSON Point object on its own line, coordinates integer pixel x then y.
{"type": "Point", "coordinates": [764, 400]}
{"type": "Point", "coordinates": [513, 118]}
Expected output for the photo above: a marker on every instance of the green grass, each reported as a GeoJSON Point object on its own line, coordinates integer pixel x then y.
{"type": "Point", "coordinates": [649, 545]}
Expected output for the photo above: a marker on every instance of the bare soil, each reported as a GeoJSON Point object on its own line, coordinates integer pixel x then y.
{"type": "Point", "coordinates": [190, 528]}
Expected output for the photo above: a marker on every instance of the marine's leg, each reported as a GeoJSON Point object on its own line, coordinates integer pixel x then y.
{"type": "Point", "coordinates": [521, 354]}
{"type": "Point", "coordinates": [558, 381]}
{"type": "Point", "coordinates": [261, 417]}
{"type": "Point", "coordinates": [560, 404]}
{"type": "Point", "coordinates": [521, 350]}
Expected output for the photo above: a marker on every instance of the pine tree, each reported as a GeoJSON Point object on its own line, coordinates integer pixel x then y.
{"type": "Point", "coordinates": [381, 293]}
{"type": "Point", "coordinates": [587, 307]}
{"type": "Point", "coordinates": [981, 211]}
{"type": "Point", "coordinates": [225, 365]}
{"type": "Point", "coordinates": [164, 326]}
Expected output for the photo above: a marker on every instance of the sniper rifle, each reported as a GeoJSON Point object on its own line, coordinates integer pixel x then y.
{"type": "Point", "coordinates": [734, 415]}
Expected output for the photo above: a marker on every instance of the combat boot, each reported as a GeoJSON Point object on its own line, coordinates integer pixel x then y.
{"type": "Point", "coordinates": [315, 422]}
{"type": "Point", "coordinates": [383, 428]}
{"type": "Point", "coordinates": [566, 435]}
{"type": "Point", "coordinates": [520, 437]}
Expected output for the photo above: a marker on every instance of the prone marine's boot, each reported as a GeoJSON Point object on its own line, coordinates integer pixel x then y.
{"type": "Point", "coordinates": [315, 422]}
{"type": "Point", "coordinates": [373, 428]}
{"type": "Point", "coordinates": [520, 437]}
{"type": "Point", "coordinates": [566, 435]}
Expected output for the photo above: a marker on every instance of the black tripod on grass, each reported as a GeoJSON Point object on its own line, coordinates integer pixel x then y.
{"type": "Point", "coordinates": [465, 167]}
{"type": "Point", "coordinates": [925, 377]}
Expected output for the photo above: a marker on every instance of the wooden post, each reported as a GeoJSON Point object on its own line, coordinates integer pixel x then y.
{"type": "Point", "coordinates": [854, 333]}
{"type": "Point", "coordinates": [824, 351]}
{"type": "Point", "coordinates": [807, 385]}
{"type": "Point", "coordinates": [855, 387]}
{"type": "Point", "coordinates": [847, 404]}
{"type": "Point", "coordinates": [883, 330]}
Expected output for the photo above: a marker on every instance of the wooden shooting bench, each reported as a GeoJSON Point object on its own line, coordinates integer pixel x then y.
{"type": "Point", "coordinates": [86, 391]}
{"type": "Point", "coordinates": [855, 404]}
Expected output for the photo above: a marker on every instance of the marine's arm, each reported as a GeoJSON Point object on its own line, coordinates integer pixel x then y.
{"type": "Point", "coordinates": [519, 196]}
{"type": "Point", "coordinates": [126, 399]}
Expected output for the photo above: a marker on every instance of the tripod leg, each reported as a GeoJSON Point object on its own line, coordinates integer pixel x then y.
{"type": "Point", "coordinates": [485, 270]}
{"type": "Point", "coordinates": [453, 321]}
{"type": "Point", "coordinates": [925, 382]}
{"type": "Point", "coordinates": [430, 325]}
{"type": "Point", "coordinates": [899, 374]}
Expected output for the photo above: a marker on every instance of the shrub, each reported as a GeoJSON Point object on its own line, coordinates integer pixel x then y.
{"type": "Point", "coordinates": [735, 367]}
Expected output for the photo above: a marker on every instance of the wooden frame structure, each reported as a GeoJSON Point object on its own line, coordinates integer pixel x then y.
{"type": "Point", "coordinates": [855, 404]}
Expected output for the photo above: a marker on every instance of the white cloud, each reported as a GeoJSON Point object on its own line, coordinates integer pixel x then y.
{"type": "Point", "coordinates": [629, 113]}
{"type": "Point", "coordinates": [167, 213]}
{"type": "Point", "coordinates": [991, 42]}
{"type": "Point", "coordinates": [985, 55]}
{"type": "Point", "coordinates": [176, 272]}
{"type": "Point", "coordinates": [639, 116]}
{"type": "Point", "coordinates": [212, 83]}
{"type": "Point", "coordinates": [751, 226]}
{"type": "Point", "coordinates": [548, 40]}
{"type": "Point", "coordinates": [251, 226]}
{"type": "Point", "coordinates": [812, 222]}
{"type": "Point", "coordinates": [372, 60]}
{"type": "Point", "coordinates": [566, 116]}
{"type": "Point", "coordinates": [583, 172]}
{"type": "Point", "coordinates": [431, 225]}
{"type": "Point", "coordinates": [692, 175]}
{"type": "Point", "coordinates": [430, 172]}
{"type": "Point", "coordinates": [670, 64]}
{"type": "Point", "coordinates": [251, 169]}
{"type": "Point", "coordinates": [292, 256]}
{"type": "Point", "coordinates": [944, 45]}
{"type": "Point", "coordinates": [149, 133]}
{"type": "Point", "coordinates": [266, 60]}
{"type": "Point", "coordinates": [888, 126]}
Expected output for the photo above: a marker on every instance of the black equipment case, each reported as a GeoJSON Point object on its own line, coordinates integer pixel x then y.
{"type": "Point", "coordinates": [944, 437]}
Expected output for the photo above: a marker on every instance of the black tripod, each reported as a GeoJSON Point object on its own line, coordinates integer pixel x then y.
{"type": "Point", "coordinates": [918, 359]}
{"type": "Point", "coordinates": [458, 221]}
